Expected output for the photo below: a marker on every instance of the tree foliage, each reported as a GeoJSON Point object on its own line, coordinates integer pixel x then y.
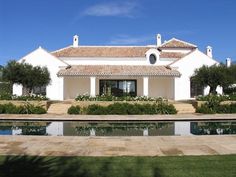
{"type": "Point", "coordinates": [232, 70]}
{"type": "Point", "coordinates": [213, 76]}
{"type": "Point", "coordinates": [1, 70]}
{"type": "Point", "coordinates": [26, 75]}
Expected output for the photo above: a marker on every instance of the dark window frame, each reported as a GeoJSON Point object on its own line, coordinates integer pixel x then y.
{"type": "Point", "coordinates": [117, 86]}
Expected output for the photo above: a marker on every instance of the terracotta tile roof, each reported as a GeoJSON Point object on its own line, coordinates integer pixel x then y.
{"type": "Point", "coordinates": [111, 52]}
{"type": "Point", "coordinates": [176, 43]}
{"type": "Point", "coordinates": [102, 51]}
{"type": "Point", "coordinates": [172, 55]}
{"type": "Point", "coordinates": [118, 70]}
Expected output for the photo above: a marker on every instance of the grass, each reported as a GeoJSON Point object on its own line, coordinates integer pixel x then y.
{"type": "Point", "coordinates": [184, 166]}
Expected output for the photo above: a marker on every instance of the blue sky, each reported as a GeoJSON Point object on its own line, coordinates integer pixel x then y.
{"type": "Point", "coordinates": [27, 24]}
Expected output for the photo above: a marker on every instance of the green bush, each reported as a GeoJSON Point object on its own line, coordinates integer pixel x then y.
{"type": "Point", "coordinates": [118, 108]}
{"type": "Point", "coordinates": [23, 109]}
{"type": "Point", "coordinates": [220, 109]}
{"type": "Point", "coordinates": [205, 109]}
{"type": "Point", "coordinates": [74, 110]}
{"type": "Point", "coordinates": [163, 108]}
{"type": "Point", "coordinates": [131, 109]}
{"type": "Point", "coordinates": [95, 109]}
{"type": "Point", "coordinates": [5, 88]}
{"type": "Point", "coordinates": [5, 96]}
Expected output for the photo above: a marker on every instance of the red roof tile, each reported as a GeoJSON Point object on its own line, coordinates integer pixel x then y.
{"type": "Point", "coordinates": [118, 70]}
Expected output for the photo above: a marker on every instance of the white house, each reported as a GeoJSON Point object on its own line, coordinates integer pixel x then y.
{"type": "Point", "coordinates": [161, 70]}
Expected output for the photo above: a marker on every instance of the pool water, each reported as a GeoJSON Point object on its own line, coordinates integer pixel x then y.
{"type": "Point", "coordinates": [106, 128]}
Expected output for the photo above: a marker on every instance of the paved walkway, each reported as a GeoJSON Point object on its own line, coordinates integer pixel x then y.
{"type": "Point", "coordinates": [117, 146]}
{"type": "Point", "coordinates": [178, 117]}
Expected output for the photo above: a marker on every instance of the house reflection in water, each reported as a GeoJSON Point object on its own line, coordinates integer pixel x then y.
{"type": "Point", "coordinates": [180, 128]}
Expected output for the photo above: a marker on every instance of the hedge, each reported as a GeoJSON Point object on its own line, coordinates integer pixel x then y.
{"type": "Point", "coordinates": [24, 109]}
{"type": "Point", "coordinates": [74, 110]}
{"type": "Point", "coordinates": [125, 109]}
{"type": "Point", "coordinates": [217, 108]}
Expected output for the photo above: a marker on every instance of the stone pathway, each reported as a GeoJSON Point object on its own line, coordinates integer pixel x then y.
{"type": "Point", "coordinates": [117, 146]}
{"type": "Point", "coordinates": [178, 117]}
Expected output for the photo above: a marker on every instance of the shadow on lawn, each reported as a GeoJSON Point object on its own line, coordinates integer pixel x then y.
{"type": "Point", "coordinates": [25, 166]}
{"type": "Point", "coordinates": [34, 166]}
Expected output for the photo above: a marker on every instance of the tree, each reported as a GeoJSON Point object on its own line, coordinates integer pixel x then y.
{"type": "Point", "coordinates": [1, 70]}
{"type": "Point", "coordinates": [213, 76]}
{"type": "Point", "coordinates": [26, 75]}
{"type": "Point", "coordinates": [232, 70]}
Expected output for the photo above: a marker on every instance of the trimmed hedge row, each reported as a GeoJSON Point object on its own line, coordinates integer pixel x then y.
{"type": "Point", "coordinates": [124, 109]}
{"type": "Point", "coordinates": [24, 109]}
{"type": "Point", "coordinates": [217, 108]}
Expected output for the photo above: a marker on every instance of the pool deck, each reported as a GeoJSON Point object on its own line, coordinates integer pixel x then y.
{"type": "Point", "coordinates": [66, 117]}
{"type": "Point", "coordinates": [118, 146]}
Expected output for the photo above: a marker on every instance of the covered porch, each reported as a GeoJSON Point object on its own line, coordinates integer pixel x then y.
{"type": "Point", "coordinates": [150, 81]}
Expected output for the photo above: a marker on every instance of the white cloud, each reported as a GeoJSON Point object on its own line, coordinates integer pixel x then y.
{"type": "Point", "coordinates": [125, 9]}
{"type": "Point", "coordinates": [124, 40]}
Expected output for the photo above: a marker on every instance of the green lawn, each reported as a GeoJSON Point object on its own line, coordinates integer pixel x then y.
{"type": "Point", "coordinates": [185, 166]}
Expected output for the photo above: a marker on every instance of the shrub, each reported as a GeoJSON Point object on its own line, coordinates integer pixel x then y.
{"type": "Point", "coordinates": [118, 108]}
{"type": "Point", "coordinates": [5, 88]}
{"type": "Point", "coordinates": [220, 109]}
{"type": "Point", "coordinates": [163, 108]}
{"type": "Point", "coordinates": [23, 109]}
{"type": "Point", "coordinates": [131, 109]}
{"type": "Point", "coordinates": [205, 109]}
{"type": "Point", "coordinates": [74, 110]}
{"type": "Point", "coordinates": [95, 109]}
{"type": "Point", "coordinates": [5, 96]}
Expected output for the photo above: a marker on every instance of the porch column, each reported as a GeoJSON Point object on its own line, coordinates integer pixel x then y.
{"type": "Point", "coordinates": [93, 86]}
{"type": "Point", "coordinates": [145, 86]}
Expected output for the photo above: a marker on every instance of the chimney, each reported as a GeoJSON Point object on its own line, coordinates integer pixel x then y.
{"type": "Point", "coordinates": [209, 51]}
{"type": "Point", "coordinates": [75, 41]}
{"type": "Point", "coordinates": [228, 62]}
{"type": "Point", "coordinates": [158, 40]}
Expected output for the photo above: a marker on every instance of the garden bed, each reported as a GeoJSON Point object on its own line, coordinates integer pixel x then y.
{"type": "Point", "coordinates": [44, 104]}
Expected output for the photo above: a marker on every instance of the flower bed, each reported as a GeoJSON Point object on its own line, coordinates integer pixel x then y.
{"type": "Point", "coordinates": [23, 98]}
{"type": "Point", "coordinates": [86, 97]}
{"type": "Point", "coordinates": [220, 98]}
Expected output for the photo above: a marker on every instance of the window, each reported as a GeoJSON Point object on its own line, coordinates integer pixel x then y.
{"type": "Point", "coordinates": [39, 90]}
{"type": "Point", "coordinates": [118, 87]}
{"type": "Point", "coordinates": [152, 59]}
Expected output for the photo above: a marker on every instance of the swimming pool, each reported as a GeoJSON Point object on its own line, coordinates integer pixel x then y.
{"type": "Point", "coordinates": [115, 128]}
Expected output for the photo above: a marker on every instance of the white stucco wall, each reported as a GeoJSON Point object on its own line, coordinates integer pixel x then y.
{"type": "Point", "coordinates": [17, 89]}
{"type": "Point", "coordinates": [161, 87]}
{"type": "Point", "coordinates": [186, 67]}
{"type": "Point", "coordinates": [41, 57]}
{"type": "Point", "coordinates": [75, 86]}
